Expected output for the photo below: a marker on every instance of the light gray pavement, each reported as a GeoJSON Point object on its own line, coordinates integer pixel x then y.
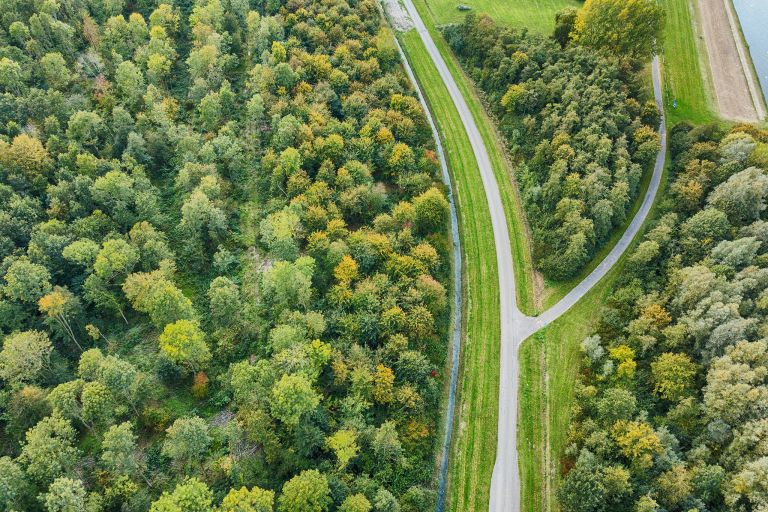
{"type": "Point", "coordinates": [515, 326]}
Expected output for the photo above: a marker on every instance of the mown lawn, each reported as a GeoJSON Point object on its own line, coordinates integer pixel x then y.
{"type": "Point", "coordinates": [476, 417]}
{"type": "Point", "coordinates": [685, 66]}
{"type": "Point", "coordinates": [535, 15]}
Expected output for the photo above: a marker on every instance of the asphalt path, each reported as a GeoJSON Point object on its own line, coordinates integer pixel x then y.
{"type": "Point", "coordinates": [515, 326]}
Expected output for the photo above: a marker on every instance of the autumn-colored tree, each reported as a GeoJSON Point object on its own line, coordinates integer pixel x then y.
{"type": "Point", "coordinates": [637, 441]}
{"type": "Point", "coordinates": [58, 305]}
{"type": "Point", "coordinates": [183, 342]}
{"type": "Point", "coordinates": [673, 374]}
{"type": "Point", "coordinates": [344, 445]}
{"type": "Point", "coordinates": [631, 29]}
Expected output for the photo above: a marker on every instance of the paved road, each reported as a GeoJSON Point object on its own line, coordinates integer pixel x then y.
{"type": "Point", "coordinates": [515, 326]}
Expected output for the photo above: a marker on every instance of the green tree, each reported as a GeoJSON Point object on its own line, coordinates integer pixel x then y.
{"type": "Point", "coordinates": [98, 404]}
{"type": "Point", "coordinates": [11, 79]}
{"type": "Point", "coordinates": [582, 489]}
{"type": "Point", "coordinates": [344, 445]}
{"type": "Point", "coordinates": [190, 496]}
{"type": "Point", "coordinates": [225, 303]}
{"type": "Point", "coordinates": [432, 211]}
{"type": "Point", "coordinates": [129, 84]}
{"type": "Point", "coordinates": [85, 128]}
{"type": "Point", "coordinates": [186, 441]}
{"type": "Point", "coordinates": [280, 232]}
{"type": "Point", "coordinates": [25, 356]}
{"type": "Point", "coordinates": [119, 450]}
{"type": "Point", "coordinates": [26, 282]}
{"type": "Point", "coordinates": [565, 22]}
{"type": "Point", "coordinates": [83, 252]}
{"type": "Point", "coordinates": [292, 397]}
{"type": "Point", "coordinates": [55, 70]}
{"type": "Point", "coordinates": [356, 503]}
{"type": "Point", "coordinates": [65, 399]}
{"type": "Point", "coordinates": [48, 450]}
{"type": "Point", "coordinates": [124, 381]}
{"type": "Point", "coordinates": [65, 495]}
{"type": "Point", "coordinates": [112, 265]}
{"type": "Point", "coordinates": [26, 160]}
{"type": "Point", "coordinates": [674, 486]}
{"type": "Point", "coordinates": [386, 444]}
{"type": "Point", "coordinates": [624, 28]}
{"type": "Point", "coordinates": [742, 197]}
{"type": "Point", "coordinates": [154, 293]}
{"type": "Point", "coordinates": [288, 285]}
{"type": "Point", "coordinates": [183, 342]}
{"type": "Point", "coordinates": [306, 492]}
{"type": "Point", "coordinates": [12, 483]}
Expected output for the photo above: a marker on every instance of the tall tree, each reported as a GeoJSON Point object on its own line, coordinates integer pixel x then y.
{"type": "Point", "coordinates": [624, 28]}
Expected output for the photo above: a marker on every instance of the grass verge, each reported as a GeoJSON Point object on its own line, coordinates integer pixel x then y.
{"type": "Point", "coordinates": [474, 439]}
{"type": "Point", "coordinates": [685, 65]}
{"type": "Point", "coordinates": [502, 168]}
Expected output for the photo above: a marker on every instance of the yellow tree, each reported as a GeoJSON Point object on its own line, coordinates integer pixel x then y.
{"type": "Point", "coordinates": [637, 441]}
{"type": "Point", "coordinates": [184, 343]}
{"type": "Point", "coordinates": [383, 384]}
{"type": "Point", "coordinates": [344, 445]}
{"type": "Point", "coordinates": [58, 304]}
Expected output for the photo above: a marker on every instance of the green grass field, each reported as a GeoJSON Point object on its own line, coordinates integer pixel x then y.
{"type": "Point", "coordinates": [686, 70]}
{"type": "Point", "coordinates": [475, 435]}
{"type": "Point", "coordinates": [536, 15]}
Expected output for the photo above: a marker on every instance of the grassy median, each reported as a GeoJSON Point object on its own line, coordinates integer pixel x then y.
{"type": "Point", "coordinates": [502, 168]}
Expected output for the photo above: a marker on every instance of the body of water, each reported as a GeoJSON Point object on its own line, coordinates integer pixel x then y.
{"type": "Point", "coordinates": [753, 16]}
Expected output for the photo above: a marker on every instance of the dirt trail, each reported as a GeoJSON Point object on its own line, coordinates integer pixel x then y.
{"type": "Point", "coordinates": [731, 74]}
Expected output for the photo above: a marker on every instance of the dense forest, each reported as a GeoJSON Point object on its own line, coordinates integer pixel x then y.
{"type": "Point", "coordinates": [224, 259]}
{"type": "Point", "coordinates": [576, 125]}
{"type": "Point", "coordinates": [671, 413]}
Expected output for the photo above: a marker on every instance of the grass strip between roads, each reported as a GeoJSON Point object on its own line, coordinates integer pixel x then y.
{"type": "Point", "coordinates": [686, 68]}
{"type": "Point", "coordinates": [476, 417]}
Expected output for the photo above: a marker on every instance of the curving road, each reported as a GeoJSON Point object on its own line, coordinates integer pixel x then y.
{"type": "Point", "coordinates": [515, 326]}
